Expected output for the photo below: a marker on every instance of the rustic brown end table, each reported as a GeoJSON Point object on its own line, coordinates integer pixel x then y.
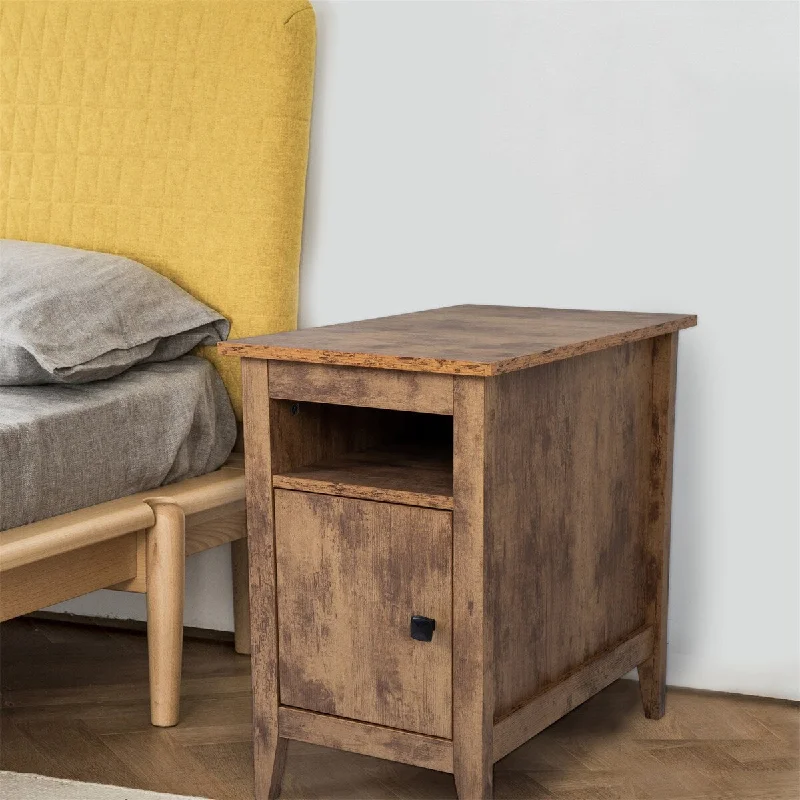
{"type": "Point", "coordinates": [458, 527]}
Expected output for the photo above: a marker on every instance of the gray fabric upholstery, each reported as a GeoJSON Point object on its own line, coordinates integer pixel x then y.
{"type": "Point", "coordinates": [66, 447]}
{"type": "Point", "coordinates": [72, 316]}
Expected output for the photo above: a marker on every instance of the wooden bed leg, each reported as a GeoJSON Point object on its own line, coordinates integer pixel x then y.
{"type": "Point", "coordinates": [653, 671]}
{"type": "Point", "coordinates": [166, 564]}
{"type": "Point", "coordinates": [241, 596]}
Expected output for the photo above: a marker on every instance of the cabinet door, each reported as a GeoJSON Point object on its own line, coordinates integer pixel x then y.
{"type": "Point", "coordinates": [351, 573]}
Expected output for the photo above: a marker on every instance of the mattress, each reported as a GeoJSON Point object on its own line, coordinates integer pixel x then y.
{"type": "Point", "coordinates": [64, 447]}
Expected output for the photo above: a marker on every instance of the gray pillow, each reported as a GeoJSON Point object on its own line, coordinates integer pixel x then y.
{"type": "Point", "coordinates": [72, 316]}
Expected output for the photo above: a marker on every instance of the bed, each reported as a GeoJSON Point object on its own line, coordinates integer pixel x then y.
{"type": "Point", "coordinates": [173, 132]}
{"type": "Point", "coordinates": [72, 446]}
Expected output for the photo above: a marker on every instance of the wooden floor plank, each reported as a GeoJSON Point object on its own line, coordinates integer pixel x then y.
{"type": "Point", "coordinates": [89, 758]}
{"type": "Point", "coordinates": [75, 705]}
{"type": "Point", "coordinates": [161, 764]}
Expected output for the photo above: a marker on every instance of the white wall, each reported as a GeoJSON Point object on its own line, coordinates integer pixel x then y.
{"type": "Point", "coordinates": [588, 155]}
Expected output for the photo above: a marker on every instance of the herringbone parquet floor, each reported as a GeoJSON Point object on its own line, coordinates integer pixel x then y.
{"type": "Point", "coordinates": [75, 706]}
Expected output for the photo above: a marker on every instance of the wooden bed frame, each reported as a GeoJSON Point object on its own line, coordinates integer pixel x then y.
{"type": "Point", "coordinates": [175, 134]}
{"type": "Point", "coordinates": [135, 544]}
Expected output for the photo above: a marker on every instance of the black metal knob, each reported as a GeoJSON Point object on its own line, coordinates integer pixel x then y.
{"type": "Point", "coordinates": [422, 628]}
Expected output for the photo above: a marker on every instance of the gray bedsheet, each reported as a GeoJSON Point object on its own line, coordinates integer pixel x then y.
{"type": "Point", "coordinates": [66, 447]}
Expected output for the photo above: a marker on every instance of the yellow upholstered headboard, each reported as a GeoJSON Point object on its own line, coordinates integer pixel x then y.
{"type": "Point", "coordinates": [174, 132]}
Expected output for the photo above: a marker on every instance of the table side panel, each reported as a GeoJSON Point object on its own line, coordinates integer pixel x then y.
{"type": "Point", "coordinates": [568, 459]}
{"type": "Point", "coordinates": [653, 671]}
{"type": "Point", "coordinates": [569, 692]}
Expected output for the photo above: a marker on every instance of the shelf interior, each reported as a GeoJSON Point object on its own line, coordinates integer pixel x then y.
{"type": "Point", "coordinates": [411, 474]}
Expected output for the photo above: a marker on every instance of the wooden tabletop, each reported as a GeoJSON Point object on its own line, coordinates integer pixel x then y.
{"type": "Point", "coordinates": [461, 340]}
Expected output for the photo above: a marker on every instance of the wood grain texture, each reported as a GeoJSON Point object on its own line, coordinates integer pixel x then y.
{"type": "Point", "coordinates": [653, 671]}
{"type": "Point", "coordinates": [310, 433]}
{"type": "Point", "coordinates": [358, 386]}
{"type": "Point", "coordinates": [138, 583]}
{"type": "Point", "coordinates": [215, 527]}
{"type": "Point", "coordinates": [461, 340]}
{"type": "Point", "coordinates": [369, 740]}
{"type": "Point", "coordinates": [210, 491]}
{"type": "Point", "coordinates": [351, 573]}
{"type": "Point", "coordinates": [560, 698]}
{"type": "Point", "coordinates": [73, 531]}
{"type": "Point", "coordinates": [473, 608]}
{"type": "Point", "coordinates": [75, 705]}
{"type": "Point", "coordinates": [410, 476]}
{"type": "Point", "coordinates": [94, 548]}
{"type": "Point", "coordinates": [42, 583]}
{"type": "Point", "coordinates": [269, 751]}
{"type": "Point", "coordinates": [104, 521]}
{"type": "Point", "coordinates": [568, 466]}
{"type": "Point", "coordinates": [166, 562]}
{"type": "Point", "coordinates": [556, 546]}
{"type": "Point", "coordinates": [204, 530]}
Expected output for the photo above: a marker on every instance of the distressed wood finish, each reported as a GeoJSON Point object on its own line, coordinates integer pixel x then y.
{"type": "Point", "coordinates": [568, 528]}
{"type": "Point", "coordinates": [461, 340]}
{"type": "Point", "coordinates": [533, 520]}
{"type": "Point", "coordinates": [269, 750]}
{"type": "Point", "coordinates": [569, 692]}
{"type": "Point", "coordinates": [358, 386]}
{"type": "Point", "coordinates": [351, 574]}
{"type": "Point", "coordinates": [369, 740]}
{"type": "Point", "coordinates": [304, 434]}
{"type": "Point", "coordinates": [653, 671]}
{"type": "Point", "coordinates": [408, 477]}
{"type": "Point", "coordinates": [473, 679]}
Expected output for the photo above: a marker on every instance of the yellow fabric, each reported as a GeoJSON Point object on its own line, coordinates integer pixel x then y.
{"type": "Point", "coordinates": [174, 132]}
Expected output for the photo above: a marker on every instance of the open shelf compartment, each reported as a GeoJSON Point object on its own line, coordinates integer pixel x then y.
{"type": "Point", "coordinates": [388, 456]}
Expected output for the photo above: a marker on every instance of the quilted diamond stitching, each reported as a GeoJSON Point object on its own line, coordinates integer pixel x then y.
{"type": "Point", "coordinates": [173, 131]}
